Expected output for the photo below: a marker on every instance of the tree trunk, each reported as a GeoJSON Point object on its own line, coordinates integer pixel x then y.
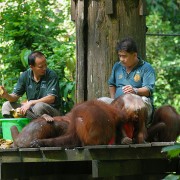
{"type": "Point", "coordinates": [100, 24]}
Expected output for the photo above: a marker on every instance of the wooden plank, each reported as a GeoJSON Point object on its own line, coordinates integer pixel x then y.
{"type": "Point", "coordinates": [162, 144]}
{"type": "Point", "coordinates": [140, 145]}
{"type": "Point", "coordinates": [54, 155]}
{"type": "Point", "coordinates": [133, 167]}
{"type": "Point", "coordinates": [106, 147]}
{"type": "Point", "coordinates": [30, 155]}
{"type": "Point", "coordinates": [9, 155]}
{"type": "Point", "coordinates": [144, 151]}
{"type": "Point", "coordinates": [101, 152]}
{"type": "Point", "coordinates": [75, 154]}
{"type": "Point", "coordinates": [116, 168]}
{"type": "Point", "coordinates": [73, 10]}
{"type": "Point", "coordinates": [109, 6]}
{"type": "Point", "coordinates": [101, 161]}
{"type": "Point", "coordinates": [142, 8]}
{"type": "Point", "coordinates": [62, 154]}
{"type": "Point", "coordinates": [159, 166]}
{"type": "Point", "coordinates": [81, 69]}
{"type": "Point", "coordinates": [33, 170]}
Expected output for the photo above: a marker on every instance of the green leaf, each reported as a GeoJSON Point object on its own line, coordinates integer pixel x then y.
{"type": "Point", "coordinates": [172, 151]}
{"type": "Point", "coordinates": [172, 177]}
{"type": "Point", "coordinates": [24, 57]}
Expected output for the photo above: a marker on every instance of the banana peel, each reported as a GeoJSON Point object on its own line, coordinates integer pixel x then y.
{"type": "Point", "coordinates": [5, 144]}
{"type": "Point", "coordinates": [16, 113]}
{"type": "Point", "coordinates": [1, 91]}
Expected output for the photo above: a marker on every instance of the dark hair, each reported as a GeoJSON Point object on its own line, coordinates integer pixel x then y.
{"type": "Point", "coordinates": [32, 57]}
{"type": "Point", "coordinates": [128, 45]}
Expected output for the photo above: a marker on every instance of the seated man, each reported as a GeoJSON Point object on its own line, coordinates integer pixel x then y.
{"type": "Point", "coordinates": [41, 86]}
{"type": "Point", "coordinates": [131, 74]}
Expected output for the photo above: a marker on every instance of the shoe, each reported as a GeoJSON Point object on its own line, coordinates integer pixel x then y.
{"type": "Point", "coordinates": [7, 116]}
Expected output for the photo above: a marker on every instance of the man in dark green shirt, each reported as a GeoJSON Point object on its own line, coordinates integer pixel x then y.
{"type": "Point", "coordinates": [41, 86]}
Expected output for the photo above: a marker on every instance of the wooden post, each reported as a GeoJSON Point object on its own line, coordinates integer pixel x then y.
{"type": "Point", "coordinates": [73, 10]}
{"type": "Point", "coordinates": [109, 6]}
{"type": "Point", "coordinates": [81, 65]}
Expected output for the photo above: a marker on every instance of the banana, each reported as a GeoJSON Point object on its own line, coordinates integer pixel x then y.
{"type": "Point", "coordinates": [1, 91]}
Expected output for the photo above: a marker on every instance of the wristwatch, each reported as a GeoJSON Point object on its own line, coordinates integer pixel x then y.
{"type": "Point", "coordinates": [136, 90]}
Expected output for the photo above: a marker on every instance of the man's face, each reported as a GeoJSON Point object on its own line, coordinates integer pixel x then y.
{"type": "Point", "coordinates": [40, 66]}
{"type": "Point", "coordinates": [127, 59]}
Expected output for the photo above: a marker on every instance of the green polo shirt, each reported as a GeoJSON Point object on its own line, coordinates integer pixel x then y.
{"type": "Point", "coordinates": [48, 85]}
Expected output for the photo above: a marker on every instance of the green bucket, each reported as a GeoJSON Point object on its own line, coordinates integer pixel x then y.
{"type": "Point", "coordinates": [7, 123]}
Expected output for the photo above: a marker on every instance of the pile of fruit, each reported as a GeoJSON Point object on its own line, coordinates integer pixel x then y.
{"type": "Point", "coordinates": [5, 144]}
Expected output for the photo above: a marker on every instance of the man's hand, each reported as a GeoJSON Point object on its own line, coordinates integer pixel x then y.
{"type": "Point", "coordinates": [25, 107]}
{"type": "Point", "coordinates": [128, 89]}
{"type": "Point", "coordinates": [1, 91]}
{"type": "Point", "coordinates": [10, 97]}
{"type": "Point", "coordinates": [48, 118]}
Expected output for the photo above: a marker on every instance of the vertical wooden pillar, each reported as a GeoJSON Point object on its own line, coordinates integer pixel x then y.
{"type": "Point", "coordinates": [81, 51]}
{"type": "Point", "coordinates": [100, 24]}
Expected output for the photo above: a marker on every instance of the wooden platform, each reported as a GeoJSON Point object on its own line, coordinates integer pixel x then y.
{"type": "Point", "coordinates": [137, 161]}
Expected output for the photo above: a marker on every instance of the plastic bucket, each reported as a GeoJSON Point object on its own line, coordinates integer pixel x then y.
{"type": "Point", "coordinates": [7, 123]}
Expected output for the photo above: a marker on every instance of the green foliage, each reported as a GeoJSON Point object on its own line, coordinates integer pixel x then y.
{"type": "Point", "coordinates": [45, 25]}
{"type": "Point", "coordinates": [163, 52]}
{"type": "Point", "coordinates": [24, 57]}
{"type": "Point", "coordinates": [42, 25]}
{"type": "Point", "coordinates": [172, 177]}
{"type": "Point", "coordinates": [172, 151]}
{"type": "Point", "coordinates": [168, 9]}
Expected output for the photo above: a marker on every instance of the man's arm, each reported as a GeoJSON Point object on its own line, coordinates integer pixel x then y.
{"type": "Point", "coordinates": [47, 99]}
{"type": "Point", "coordinates": [7, 96]}
{"type": "Point", "coordinates": [112, 91]}
{"type": "Point", "coordinates": [143, 91]}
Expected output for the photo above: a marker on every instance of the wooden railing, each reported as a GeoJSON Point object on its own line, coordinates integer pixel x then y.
{"type": "Point", "coordinates": [137, 161]}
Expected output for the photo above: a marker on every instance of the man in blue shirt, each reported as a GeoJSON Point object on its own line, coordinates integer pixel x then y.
{"type": "Point", "coordinates": [41, 86]}
{"type": "Point", "coordinates": [132, 74]}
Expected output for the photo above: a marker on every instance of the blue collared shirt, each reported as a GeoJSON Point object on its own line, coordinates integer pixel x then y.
{"type": "Point", "coordinates": [142, 75]}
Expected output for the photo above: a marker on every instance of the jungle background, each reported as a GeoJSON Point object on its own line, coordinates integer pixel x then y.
{"type": "Point", "coordinates": [46, 26]}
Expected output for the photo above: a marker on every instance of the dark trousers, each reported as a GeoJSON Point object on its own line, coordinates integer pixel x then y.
{"type": "Point", "coordinates": [36, 111]}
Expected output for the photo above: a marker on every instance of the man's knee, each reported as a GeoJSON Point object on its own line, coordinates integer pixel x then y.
{"type": "Point", "coordinates": [43, 108]}
{"type": "Point", "coordinates": [8, 106]}
{"type": "Point", "coordinates": [39, 107]}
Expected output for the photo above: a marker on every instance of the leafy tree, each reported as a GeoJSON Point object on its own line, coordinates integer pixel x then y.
{"type": "Point", "coordinates": [163, 51]}
{"type": "Point", "coordinates": [42, 25]}
{"type": "Point", "coordinates": [172, 152]}
{"type": "Point", "coordinates": [45, 25]}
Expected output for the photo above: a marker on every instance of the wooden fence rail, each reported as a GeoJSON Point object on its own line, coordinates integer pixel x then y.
{"type": "Point", "coordinates": [137, 161]}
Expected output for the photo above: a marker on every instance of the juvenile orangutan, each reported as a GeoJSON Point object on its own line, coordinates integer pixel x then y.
{"type": "Point", "coordinates": [40, 128]}
{"type": "Point", "coordinates": [165, 126]}
{"type": "Point", "coordinates": [133, 129]}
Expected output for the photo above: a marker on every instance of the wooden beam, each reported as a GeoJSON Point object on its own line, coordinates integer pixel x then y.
{"type": "Point", "coordinates": [142, 8]}
{"type": "Point", "coordinates": [109, 6]}
{"type": "Point", "coordinates": [132, 167]}
{"type": "Point", "coordinates": [73, 10]}
{"type": "Point", "coordinates": [81, 69]}
{"type": "Point", "coordinates": [115, 168]}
